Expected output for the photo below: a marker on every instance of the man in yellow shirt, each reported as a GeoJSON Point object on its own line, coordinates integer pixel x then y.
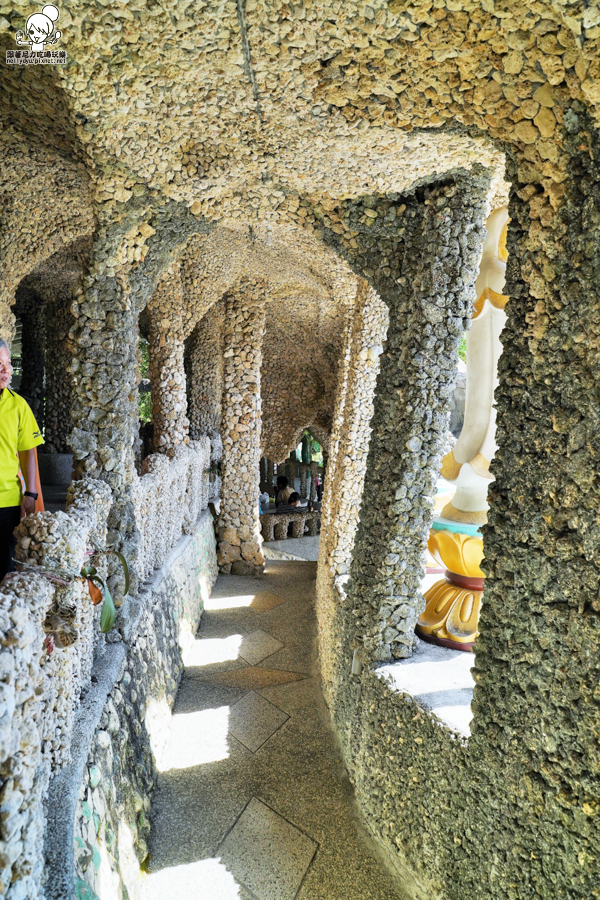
{"type": "Point", "coordinates": [19, 436]}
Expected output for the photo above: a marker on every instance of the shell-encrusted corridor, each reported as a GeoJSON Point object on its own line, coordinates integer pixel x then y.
{"type": "Point", "coordinates": [253, 800]}
{"type": "Point", "coordinates": [300, 449]}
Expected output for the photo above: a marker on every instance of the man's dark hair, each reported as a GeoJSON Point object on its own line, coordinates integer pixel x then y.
{"type": "Point", "coordinates": [294, 497]}
{"type": "Point", "coordinates": [282, 481]}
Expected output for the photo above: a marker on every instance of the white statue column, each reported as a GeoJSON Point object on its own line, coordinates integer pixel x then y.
{"type": "Point", "coordinates": [468, 463]}
{"type": "Point", "coordinates": [451, 615]}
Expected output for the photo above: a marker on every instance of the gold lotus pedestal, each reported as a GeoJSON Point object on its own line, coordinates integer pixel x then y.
{"type": "Point", "coordinates": [451, 616]}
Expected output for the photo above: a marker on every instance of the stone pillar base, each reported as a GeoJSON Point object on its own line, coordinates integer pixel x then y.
{"type": "Point", "coordinates": [238, 554]}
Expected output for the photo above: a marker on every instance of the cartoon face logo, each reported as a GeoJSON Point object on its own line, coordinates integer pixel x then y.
{"type": "Point", "coordinates": [40, 29]}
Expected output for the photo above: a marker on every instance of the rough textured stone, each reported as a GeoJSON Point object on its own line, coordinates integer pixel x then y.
{"type": "Point", "coordinates": [244, 330]}
{"type": "Point", "coordinates": [112, 821]}
{"type": "Point", "coordinates": [423, 262]}
{"type": "Point", "coordinates": [230, 147]}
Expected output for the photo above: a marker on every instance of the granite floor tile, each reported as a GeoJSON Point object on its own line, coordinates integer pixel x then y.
{"type": "Point", "coordinates": [266, 600]}
{"type": "Point", "coordinates": [257, 804]}
{"type": "Point", "coordinates": [257, 646]}
{"type": "Point", "coordinates": [254, 677]}
{"type": "Point", "coordinates": [195, 694]}
{"type": "Point", "coordinates": [267, 853]}
{"type": "Point", "coordinates": [253, 720]}
{"type": "Point", "coordinates": [223, 623]}
{"type": "Point", "coordinates": [194, 809]}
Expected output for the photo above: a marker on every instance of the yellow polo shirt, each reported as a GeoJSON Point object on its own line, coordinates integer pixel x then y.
{"type": "Point", "coordinates": [18, 431]}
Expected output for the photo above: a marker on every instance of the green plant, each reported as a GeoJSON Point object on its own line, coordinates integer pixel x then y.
{"type": "Point", "coordinates": [90, 573]}
{"type": "Point", "coordinates": [315, 451]}
{"type": "Point", "coordinates": [145, 406]}
{"type": "Point", "coordinates": [145, 397]}
{"type": "Point", "coordinates": [98, 589]}
{"type": "Point", "coordinates": [462, 348]}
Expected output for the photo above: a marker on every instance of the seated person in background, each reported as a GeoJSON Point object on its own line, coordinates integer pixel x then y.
{"type": "Point", "coordinates": [293, 505]}
{"type": "Point", "coordinates": [266, 488]}
{"type": "Point", "coordinates": [284, 491]}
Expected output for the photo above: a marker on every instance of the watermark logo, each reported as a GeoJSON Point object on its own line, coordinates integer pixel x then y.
{"type": "Point", "coordinates": [39, 35]}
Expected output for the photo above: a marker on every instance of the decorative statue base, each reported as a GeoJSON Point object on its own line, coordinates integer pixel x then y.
{"type": "Point", "coordinates": [451, 614]}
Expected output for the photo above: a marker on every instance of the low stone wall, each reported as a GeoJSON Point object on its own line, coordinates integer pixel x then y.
{"type": "Point", "coordinates": [168, 499]}
{"type": "Point", "coordinates": [99, 804]}
{"type": "Point", "coordinates": [40, 685]}
{"type": "Point", "coordinates": [55, 664]}
{"type": "Point", "coordinates": [274, 526]}
{"type": "Point", "coordinates": [405, 765]}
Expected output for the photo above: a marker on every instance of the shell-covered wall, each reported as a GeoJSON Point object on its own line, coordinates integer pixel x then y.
{"type": "Point", "coordinates": [232, 148]}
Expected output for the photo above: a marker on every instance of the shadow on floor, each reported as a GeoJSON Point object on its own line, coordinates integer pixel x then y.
{"type": "Point", "coordinates": [253, 800]}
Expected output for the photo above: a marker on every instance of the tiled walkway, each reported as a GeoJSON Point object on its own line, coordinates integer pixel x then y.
{"type": "Point", "coordinates": [253, 801]}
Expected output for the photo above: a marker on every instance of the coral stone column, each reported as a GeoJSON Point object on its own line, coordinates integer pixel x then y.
{"type": "Point", "coordinates": [31, 309]}
{"type": "Point", "coordinates": [345, 483]}
{"type": "Point", "coordinates": [59, 378]}
{"type": "Point", "coordinates": [304, 481]}
{"type": "Point", "coordinates": [167, 373]}
{"type": "Point", "coordinates": [204, 373]}
{"type": "Point", "coordinates": [7, 318]}
{"type": "Point", "coordinates": [239, 549]}
{"type": "Point", "coordinates": [337, 426]}
{"type": "Point", "coordinates": [421, 255]}
{"type": "Point", "coordinates": [104, 412]}
{"type": "Point", "coordinates": [344, 491]}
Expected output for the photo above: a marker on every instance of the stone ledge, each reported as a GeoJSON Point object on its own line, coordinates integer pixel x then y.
{"type": "Point", "coordinates": [439, 680]}
{"type": "Point", "coordinates": [65, 786]}
{"type": "Point", "coordinates": [63, 792]}
{"type": "Point", "coordinates": [130, 614]}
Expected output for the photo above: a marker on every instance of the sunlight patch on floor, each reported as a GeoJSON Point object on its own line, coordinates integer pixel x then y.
{"type": "Point", "coordinates": [206, 651]}
{"type": "Point", "coordinates": [158, 721]}
{"type": "Point", "coordinates": [195, 739]}
{"type": "Point", "coordinates": [205, 879]}
{"type": "Point", "coordinates": [234, 602]}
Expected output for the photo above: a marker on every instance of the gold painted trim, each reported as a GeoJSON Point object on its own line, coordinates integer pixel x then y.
{"type": "Point", "coordinates": [459, 553]}
{"type": "Point", "coordinates": [481, 466]}
{"type": "Point", "coordinates": [497, 300]}
{"type": "Point", "coordinates": [476, 517]}
{"type": "Point", "coordinates": [450, 468]}
{"type": "Point", "coordinates": [451, 613]}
